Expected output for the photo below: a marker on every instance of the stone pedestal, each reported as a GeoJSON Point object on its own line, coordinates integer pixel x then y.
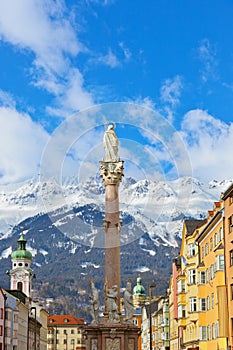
{"type": "Point", "coordinates": [112, 337]}
{"type": "Point", "coordinates": [111, 173]}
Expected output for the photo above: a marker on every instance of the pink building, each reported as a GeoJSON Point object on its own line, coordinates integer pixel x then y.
{"type": "Point", "coordinates": [2, 318]}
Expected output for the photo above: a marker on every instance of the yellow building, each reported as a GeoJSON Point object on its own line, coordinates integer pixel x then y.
{"type": "Point", "coordinates": [212, 303]}
{"type": "Point", "coordinates": [65, 332]}
{"type": "Point", "coordinates": [187, 288]}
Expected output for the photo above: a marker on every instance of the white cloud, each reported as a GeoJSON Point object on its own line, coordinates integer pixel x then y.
{"type": "Point", "coordinates": [209, 142]}
{"type": "Point", "coordinates": [109, 60]}
{"type": "Point", "coordinates": [127, 53]}
{"type": "Point", "coordinates": [170, 93]}
{"type": "Point", "coordinates": [171, 90]}
{"type": "Point", "coordinates": [43, 28]}
{"type": "Point", "coordinates": [21, 144]}
{"type": "Point", "coordinates": [6, 99]}
{"type": "Point", "coordinates": [207, 55]}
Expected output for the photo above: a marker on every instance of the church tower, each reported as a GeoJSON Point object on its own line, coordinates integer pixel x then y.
{"type": "Point", "coordinates": [21, 273]}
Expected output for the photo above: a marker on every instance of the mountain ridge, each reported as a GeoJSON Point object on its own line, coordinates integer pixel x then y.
{"type": "Point", "coordinates": [67, 240]}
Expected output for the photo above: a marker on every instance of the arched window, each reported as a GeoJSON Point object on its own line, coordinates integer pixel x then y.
{"type": "Point", "coordinates": [20, 286]}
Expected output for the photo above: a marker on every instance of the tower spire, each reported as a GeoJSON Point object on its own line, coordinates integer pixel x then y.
{"type": "Point", "coordinates": [21, 273]}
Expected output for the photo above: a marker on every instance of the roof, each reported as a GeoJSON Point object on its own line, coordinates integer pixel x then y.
{"type": "Point", "coordinates": [193, 224]}
{"type": "Point", "coordinates": [209, 225]}
{"type": "Point", "coordinates": [64, 320]}
{"type": "Point", "coordinates": [228, 192]}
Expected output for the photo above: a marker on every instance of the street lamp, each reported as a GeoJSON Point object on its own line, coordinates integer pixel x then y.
{"type": "Point", "coordinates": [150, 312]}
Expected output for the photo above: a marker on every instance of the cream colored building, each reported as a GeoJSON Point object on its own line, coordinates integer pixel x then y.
{"type": "Point", "coordinates": [65, 332]}
{"type": "Point", "coordinates": [187, 286]}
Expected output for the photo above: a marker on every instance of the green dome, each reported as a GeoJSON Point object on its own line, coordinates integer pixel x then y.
{"type": "Point", "coordinates": [139, 290]}
{"type": "Point", "coordinates": [21, 252]}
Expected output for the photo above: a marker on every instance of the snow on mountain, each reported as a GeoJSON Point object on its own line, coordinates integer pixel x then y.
{"type": "Point", "coordinates": [157, 207]}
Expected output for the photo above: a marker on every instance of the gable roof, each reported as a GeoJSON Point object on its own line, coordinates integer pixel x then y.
{"type": "Point", "coordinates": [192, 225]}
{"type": "Point", "coordinates": [64, 320]}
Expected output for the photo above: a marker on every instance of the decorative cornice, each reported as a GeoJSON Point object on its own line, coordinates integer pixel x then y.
{"type": "Point", "coordinates": [111, 172]}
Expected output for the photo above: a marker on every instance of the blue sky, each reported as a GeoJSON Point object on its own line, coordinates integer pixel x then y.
{"type": "Point", "coordinates": [62, 57]}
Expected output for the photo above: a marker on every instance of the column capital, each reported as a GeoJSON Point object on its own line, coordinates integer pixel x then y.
{"type": "Point", "coordinates": [111, 172]}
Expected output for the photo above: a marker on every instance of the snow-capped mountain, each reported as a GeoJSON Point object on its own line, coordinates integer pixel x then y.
{"type": "Point", "coordinates": [158, 207]}
{"type": "Point", "coordinates": [63, 227]}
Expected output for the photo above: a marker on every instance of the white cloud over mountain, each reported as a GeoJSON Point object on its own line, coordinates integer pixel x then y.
{"type": "Point", "coordinates": [21, 143]}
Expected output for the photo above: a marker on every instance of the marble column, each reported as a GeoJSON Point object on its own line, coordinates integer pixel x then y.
{"type": "Point", "coordinates": [111, 173]}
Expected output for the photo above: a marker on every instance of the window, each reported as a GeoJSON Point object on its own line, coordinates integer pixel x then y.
{"type": "Point", "coordinates": [0, 330]}
{"type": "Point", "coordinates": [181, 286]}
{"type": "Point", "coordinates": [231, 291]}
{"type": "Point", "coordinates": [212, 302]}
{"type": "Point", "coordinates": [181, 311]}
{"type": "Point", "coordinates": [192, 276]}
{"type": "Point", "coordinates": [215, 330]}
{"type": "Point", "coordinates": [221, 233]}
{"type": "Point", "coordinates": [206, 248]}
{"type": "Point", "coordinates": [20, 286]}
{"type": "Point", "coordinates": [64, 341]}
{"type": "Point", "coordinates": [71, 331]}
{"type": "Point", "coordinates": [203, 252]}
{"type": "Point", "coordinates": [208, 274]}
{"type": "Point", "coordinates": [208, 303]}
{"type": "Point", "coordinates": [202, 277]}
{"type": "Point", "coordinates": [191, 249]}
{"type": "Point", "coordinates": [230, 223]}
{"type": "Point", "coordinates": [220, 262]}
{"type": "Point", "coordinates": [193, 304]}
{"type": "Point", "coordinates": [211, 244]}
{"type": "Point", "coordinates": [231, 257]}
{"type": "Point", "coordinates": [203, 333]}
{"type": "Point", "coordinates": [1, 313]}
{"type": "Point", "coordinates": [212, 271]}
{"type": "Point", "coordinates": [216, 238]}
{"type": "Point", "coordinates": [202, 304]}
{"type": "Point", "coordinates": [209, 332]}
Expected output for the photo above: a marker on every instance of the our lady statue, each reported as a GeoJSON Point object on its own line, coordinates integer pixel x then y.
{"type": "Point", "coordinates": [111, 144]}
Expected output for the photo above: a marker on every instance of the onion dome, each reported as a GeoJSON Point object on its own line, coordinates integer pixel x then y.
{"type": "Point", "coordinates": [139, 290]}
{"type": "Point", "coordinates": [21, 252]}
